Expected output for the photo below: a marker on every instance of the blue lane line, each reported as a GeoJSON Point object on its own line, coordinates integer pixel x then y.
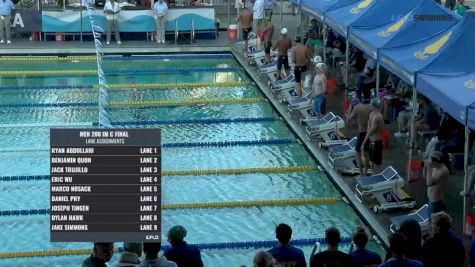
{"type": "Point", "coordinates": [170, 70]}
{"type": "Point", "coordinates": [161, 57]}
{"type": "Point", "coordinates": [194, 121]}
{"type": "Point", "coordinates": [46, 87]}
{"type": "Point", "coordinates": [48, 105]}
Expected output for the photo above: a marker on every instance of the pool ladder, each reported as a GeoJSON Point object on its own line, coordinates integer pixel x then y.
{"type": "Point", "coordinates": [192, 32]}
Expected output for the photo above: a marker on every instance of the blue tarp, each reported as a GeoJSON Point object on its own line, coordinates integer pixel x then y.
{"type": "Point", "coordinates": [340, 19]}
{"type": "Point", "coordinates": [380, 23]}
{"type": "Point", "coordinates": [449, 80]}
{"type": "Point", "coordinates": [452, 93]}
{"type": "Point", "coordinates": [415, 47]}
{"type": "Point", "coordinates": [318, 8]}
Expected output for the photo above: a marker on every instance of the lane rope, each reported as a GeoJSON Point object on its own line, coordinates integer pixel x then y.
{"type": "Point", "coordinates": [116, 57]}
{"type": "Point", "coordinates": [176, 145]}
{"type": "Point", "coordinates": [201, 246]}
{"type": "Point", "coordinates": [189, 172]}
{"type": "Point", "coordinates": [176, 102]}
{"type": "Point", "coordinates": [117, 71]}
{"type": "Point", "coordinates": [49, 124]}
{"type": "Point", "coordinates": [127, 86]}
{"type": "Point", "coordinates": [206, 205]}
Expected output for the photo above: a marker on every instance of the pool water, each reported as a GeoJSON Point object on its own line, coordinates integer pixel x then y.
{"type": "Point", "coordinates": [31, 233]}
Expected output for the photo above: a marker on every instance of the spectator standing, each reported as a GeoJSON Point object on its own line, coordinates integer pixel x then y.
{"type": "Point", "coordinates": [398, 247]}
{"type": "Point", "coordinates": [332, 256]}
{"type": "Point", "coordinates": [151, 256]}
{"type": "Point", "coordinates": [258, 13]}
{"type": "Point", "coordinates": [436, 179]}
{"type": "Point", "coordinates": [286, 254]}
{"type": "Point", "coordinates": [443, 249]}
{"type": "Point", "coordinates": [134, 247]}
{"type": "Point", "coordinates": [412, 231]}
{"type": "Point", "coordinates": [101, 253]}
{"type": "Point", "coordinates": [367, 79]}
{"type": "Point", "coordinates": [128, 259]}
{"type": "Point", "coordinates": [180, 252]}
{"type": "Point", "coordinates": [361, 256]}
{"type": "Point", "coordinates": [268, 9]}
{"type": "Point", "coordinates": [6, 7]}
{"type": "Point", "coordinates": [112, 10]}
{"type": "Point", "coordinates": [160, 9]}
{"type": "Point", "coordinates": [429, 120]}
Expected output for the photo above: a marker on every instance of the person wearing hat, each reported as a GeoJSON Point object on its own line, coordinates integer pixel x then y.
{"type": "Point", "coordinates": [319, 89]}
{"type": "Point", "coordinates": [373, 135]}
{"type": "Point", "coordinates": [101, 253]}
{"type": "Point", "coordinates": [436, 178]}
{"type": "Point", "coordinates": [301, 55]}
{"type": "Point", "coordinates": [283, 45]}
{"type": "Point", "coordinates": [268, 32]}
{"type": "Point", "coordinates": [180, 252]}
{"type": "Point", "coordinates": [128, 259]}
{"type": "Point", "coordinates": [332, 256]}
{"type": "Point", "coordinates": [360, 112]}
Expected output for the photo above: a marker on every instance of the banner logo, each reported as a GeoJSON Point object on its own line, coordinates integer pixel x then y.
{"type": "Point", "coordinates": [433, 48]}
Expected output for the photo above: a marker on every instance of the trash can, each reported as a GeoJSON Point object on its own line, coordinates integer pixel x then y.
{"type": "Point", "coordinates": [232, 31]}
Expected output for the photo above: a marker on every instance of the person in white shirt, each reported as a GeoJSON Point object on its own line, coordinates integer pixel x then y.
{"type": "Point", "coordinates": [258, 13]}
{"type": "Point", "coordinates": [6, 7]}
{"type": "Point", "coordinates": [112, 10]}
{"type": "Point", "coordinates": [152, 259]}
{"type": "Point", "coordinates": [160, 9]}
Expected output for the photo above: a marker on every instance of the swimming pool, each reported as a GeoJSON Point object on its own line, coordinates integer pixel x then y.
{"type": "Point", "coordinates": [30, 90]}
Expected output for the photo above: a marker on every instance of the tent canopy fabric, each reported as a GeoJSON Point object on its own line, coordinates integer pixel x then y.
{"type": "Point", "coordinates": [413, 48]}
{"type": "Point", "coordinates": [319, 8]}
{"type": "Point", "coordinates": [341, 18]}
{"type": "Point", "coordinates": [452, 93]}
{"type": "Point", "coordinates": [381, 23]}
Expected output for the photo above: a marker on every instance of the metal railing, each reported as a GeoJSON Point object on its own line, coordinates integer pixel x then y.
{"type": "Point", "coordinates": [176, 31]}
{"type": "Point", "coordinates": [192, 34]}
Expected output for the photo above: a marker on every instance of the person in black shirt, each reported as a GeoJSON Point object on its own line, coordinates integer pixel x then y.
{"type": "Point", "coordinates": [412, 231]}
{"type": "Point", "coordinates": [332, 257]}
{"type": "Point", "coordinates": [285, 254]}
{"type": "Point", "coordinates": [361, 256]}
{"type": "Point", "coordinates": [443, 249]}
{"type": "Point", "coordinates": [180, 252]}
{"type": "Point", "coordinates": [102, 253]}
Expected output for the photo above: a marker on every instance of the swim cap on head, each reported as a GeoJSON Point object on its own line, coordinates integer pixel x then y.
{"type": "Point", "coordinates": [283, 31]}
{"type": "Point", "coordinates": [321, 66]}
{"type": "Point", "coordinates": [177, 233]}
{"type": "Point", "coordinates": [355, 101]}
{"type": "Point", "coordinates": [317, 59]}
{"type": "Point", "coordinates": [298, 38]}
{"type": "Point", "coordinates": [375, 102]}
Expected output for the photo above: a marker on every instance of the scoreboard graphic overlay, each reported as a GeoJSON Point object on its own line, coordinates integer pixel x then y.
{"type": "Point", "coordinates": [105, 185]}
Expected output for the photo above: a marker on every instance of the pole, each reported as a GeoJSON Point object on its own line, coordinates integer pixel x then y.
{"type": "Point", "coordinates": [229, 13]}
{"type": "Point", "coordinates": [465, 166]}
{"type": "Point", "coordinates": [347, 63]}
{"type": "Point", "coordinates": [413, 130]}
{"type": "Point", "coordinates": [324, 42]}
{"type": "Point", "coordinates": [281, 8]}
{"type": "Point", "coordinates": [377, 79]}
{"type": "Point", "coordinates": [80, 31]}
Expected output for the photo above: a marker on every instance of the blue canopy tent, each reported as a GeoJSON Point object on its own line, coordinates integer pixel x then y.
{"type": "Point", "coordinates": [341, 18]}
{"type": "Point", "coordinates": [414, 47]}
{"type": "Point", "coordinates": [381, 23]}
{"type": "Point", "coordinates": [449, 81]}
{"type": "Point", "coordinates": [319, 8]}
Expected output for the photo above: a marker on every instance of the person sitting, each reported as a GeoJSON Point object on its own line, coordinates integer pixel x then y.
{"type": "Point", "coordinates": [263, 259]}
{"type": "Point", "coordinates": [367, 79]}
{"type": "Point", "coordinates": [429, 120]}
{"type": "Point", "coordinates": [361, 256]}
{"type": "Point", "coordinates": [332, 256]}
{"type": "Point", "coordinates": [398, 247]}
{"type": "Point", "coordinates": [404, 116]}
{"type": "Point", "coordinates": [152, 259]}
{"type": "Point", "coordinates": [101, 253]}
{"type": "Point", "coordinates": [286, 254]}
{"type": "Point", "coordinates": [443, 248]}
{"type": "Point", "coordinates": [180, 252]}
{"type": "Point", "coordinates": [356, 64]}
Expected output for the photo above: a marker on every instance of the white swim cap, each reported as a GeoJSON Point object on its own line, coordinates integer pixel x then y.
{"type": "Point", "coordinates": [283, 31]}
{"type": "Point", "coordinates": [317, 59]}
{"type": "Point", "coordinates": [321, 66]}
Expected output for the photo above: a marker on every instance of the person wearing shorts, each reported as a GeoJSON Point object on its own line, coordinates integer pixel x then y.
{"type": "Point", "coordinates": [245, 18]}
{"type": "Point", "coordinates": [283, 45]}
{"type": "Point", "coordinates": [268, 32]}
{"type": "Point", "coordinates": [319, 89]}
{"type": "Point", "coordinates": [373, 136]}
{"type": "Point", "coordinates": [360, 111]}
{"type": "Point", "coordinates": [245, 33]}
{"type": "Point", "coordinates": [376, 152]}
{"type": "Point", "coordinates": [301, 55]}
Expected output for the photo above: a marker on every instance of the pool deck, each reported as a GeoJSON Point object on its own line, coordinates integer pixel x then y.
{"type": "Point", "coordinates": [397, 155]}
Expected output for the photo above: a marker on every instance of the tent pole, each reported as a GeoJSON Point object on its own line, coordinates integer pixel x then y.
{"type": "Point", "coordinates": [465, 167]}
{"type": "Point", "coordinates": [281, 9]}
{"type": "Point", "coordinates": [347, 59]}
{"type": "Point", "coordinates": [412, 130]}
{"type": "Point", "coordinates": [324, 42]}
{"type": "Point", "coordinates": [377, 80]}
